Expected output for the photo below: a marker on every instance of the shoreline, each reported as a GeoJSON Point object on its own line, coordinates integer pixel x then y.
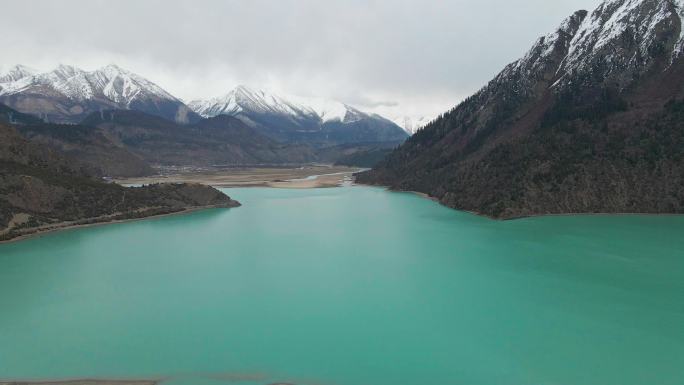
{"type": "Point", "coordinates": [337, 178]}
{"type": "Point", "coordinates": [65, 226]}
{"type": "Point", "coordinates": [530, 216]}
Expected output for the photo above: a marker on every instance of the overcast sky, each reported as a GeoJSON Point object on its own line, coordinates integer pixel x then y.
{"type": "Point", "coordinates": [395, 57]}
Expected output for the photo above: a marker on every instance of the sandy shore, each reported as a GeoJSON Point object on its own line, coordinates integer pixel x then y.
{"type": "Point", "coordinates": [314, 176]}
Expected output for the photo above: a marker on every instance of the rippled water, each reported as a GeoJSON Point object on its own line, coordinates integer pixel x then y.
{"type": "Point", "coordinates": [349, 286]}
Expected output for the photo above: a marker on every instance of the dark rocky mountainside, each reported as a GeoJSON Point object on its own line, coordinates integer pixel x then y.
{"type": "Point", "coordinates": [41, 190]}
{"type": "Point", "coordinates": [356, 154]}
{"type": "Point", "coordinates": [79, 143]}
{"type": "Point", "coordinates": [223, 140]}
{"type": "Point", "coordinates": [364, 158]}
{"type": "Point", "coordinates": [13, 117]}
{"type": "Point", "coordinates": [590, 120]}
{"type": "Point", "coordinates": [89, 146]}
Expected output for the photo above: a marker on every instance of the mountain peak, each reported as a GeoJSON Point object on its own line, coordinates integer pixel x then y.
{"type": "Point", "coordinates": [66, 71]}
{"type": "Point", "coordinates": [245, 98]}
{"type": "Point", "coordinates": [625, 35]}
{"type": "Point", "coordinates": [618, 41]}
{"type": "Point", "coordinates": [113, 70]}
{"type": "Point", "coordinates": [17, 72]}
{"type": "Point", "coordinates": [113, 67]}
{"type": "Point", "coordinates": [573, 22]}
{"type": "Point", "coordinates": [246, 94]}
{"type": "Point", "coordinates": [247, 89]}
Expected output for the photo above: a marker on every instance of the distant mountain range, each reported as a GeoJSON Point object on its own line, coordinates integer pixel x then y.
{"type": "Point", "coordinates": [590, 119]}
{"type": "Point", "coordinates": [130, 143]}
{"type": "Point", "coordinates": [120, 124]}
{"type": "Point", "coordinates": [127, 143]}
{"type": "Point", "coordinates": [296, 119]}
{"type": "Point", "coordinates": [68, 94]}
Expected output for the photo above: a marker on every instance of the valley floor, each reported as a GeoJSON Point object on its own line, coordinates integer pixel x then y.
{"type": "Point", "coordinates": [310, 176]}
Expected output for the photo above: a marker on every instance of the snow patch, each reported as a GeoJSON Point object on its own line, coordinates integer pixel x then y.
{"type": "Point", "coordinates": [613, 18]}
{"type": "Point", "coordinates": [411, 124]}
{"type": "Point", "coordinates": [679, 46]}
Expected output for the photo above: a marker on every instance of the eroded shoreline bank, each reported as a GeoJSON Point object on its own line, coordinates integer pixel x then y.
{"type": "Point", "coordinates": [520, 217]}
{"type": "Point", "coordinates": [99, 221]}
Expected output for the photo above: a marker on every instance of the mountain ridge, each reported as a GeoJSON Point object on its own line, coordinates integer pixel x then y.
{"type": "Point", "coordinates": [216, 141]}
{"type": "Point", "coordinates": [299, 119]}
{"type": "Point", "coordinates": [67, 94]}
{"type": "Point", "coordinates": [243, 97]}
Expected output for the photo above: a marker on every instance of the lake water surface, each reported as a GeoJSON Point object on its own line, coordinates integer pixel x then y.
{"type": "Point", "coordinates": [349, 286]}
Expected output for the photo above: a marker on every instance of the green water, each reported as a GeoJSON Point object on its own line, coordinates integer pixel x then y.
{"type": "Point", "coordinates": [350, 286]}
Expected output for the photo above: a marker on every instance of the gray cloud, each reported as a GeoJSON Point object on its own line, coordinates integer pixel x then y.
{"type": "Point", "coordinates": [424, 55]}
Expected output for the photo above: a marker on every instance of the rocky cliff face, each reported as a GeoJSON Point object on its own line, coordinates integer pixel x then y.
{"type": "Point", "coordinates": [589, 120]}
{"type": "Point", "coordinates": [41, 190]}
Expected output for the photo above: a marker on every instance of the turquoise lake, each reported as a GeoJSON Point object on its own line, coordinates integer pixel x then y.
{"type": "Point", "coordinates": [349, 286]}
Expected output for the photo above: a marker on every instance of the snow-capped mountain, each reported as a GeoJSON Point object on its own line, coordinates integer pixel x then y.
{"type": "Point", "coordinates": [411, 124]}
{"type": "Point", "coordinates": [245, 99]}
{"type": "Point", "coordinates": [68, 94]}
{"type": "Point", "coordinates": [293, 118]}
{"type": "Point", "coordinates": [588, 120]}
{"type": "Point", "coordinates": [618, 42]}
{"type": "Point", "coordinates": [15, 73]}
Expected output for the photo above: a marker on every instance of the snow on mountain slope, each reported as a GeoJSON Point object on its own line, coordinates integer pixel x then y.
{"type": "Point", "coordinates": [544, 56]}
{"type": "Point", "coordinates": [68, 94]}
{"type": "Point", "coordinates": [16, 73]}
{"type": "Point", "coordinates": [616, 43]}
{"type": "Point", "coordinates": [246, 99]}
{"type": "Point", "coordinates": [411, 124]}
{"type": "Point", "coordinates": [242, 99]}
{"type": "Point", "coordinates": [300, 119]}
{"type": "Point", "coordinates": [625, 36]}
{"type": "Point", "coordinates": [679, 4]}
{"type": "Point", "coordinates": [328, 110]}
{"type": "Point", "coordinates": [111, 82]}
